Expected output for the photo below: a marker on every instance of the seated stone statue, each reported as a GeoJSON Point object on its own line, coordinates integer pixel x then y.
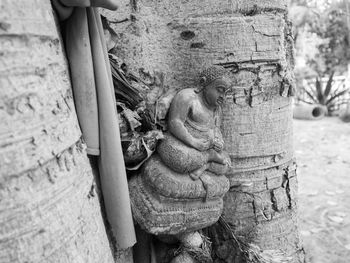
{"type": "Point", "coordinates": [181, 187]}
{"type": "Point", "coordinates": [194, 142]}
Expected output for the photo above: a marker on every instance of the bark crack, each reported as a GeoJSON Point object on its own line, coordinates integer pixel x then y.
{"type": "Point", "coordinates": [273, 201]}
{"type": "Point", "coordinates": [255, 210]}
{"type": "Point", "coordinates": [285, 184]}
{"type": "Point", "coordinates": [255, 10]}
{"type": "Point", "coordinates": [133, 4]}
{"type": "Point", "coordinates": [264, 34]}
{"type": "Point", "coordinates": [289, 196]}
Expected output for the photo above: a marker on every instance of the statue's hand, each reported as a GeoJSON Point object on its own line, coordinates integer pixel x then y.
{"type": "Point", "coordinates": [218, 145]}
{"type": "Point", "coordinates": [217, 141]}
{"type": "Point", "coordinates": [201, 144]}
{"type": "Point", "coordinates": [227, 161]}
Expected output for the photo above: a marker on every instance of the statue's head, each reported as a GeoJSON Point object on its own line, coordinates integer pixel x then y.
{"type": "Point", "coordinates": [215, 84]}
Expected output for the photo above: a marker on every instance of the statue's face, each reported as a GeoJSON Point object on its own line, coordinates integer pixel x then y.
{"type": "Point", "coordinates": [215, 92]}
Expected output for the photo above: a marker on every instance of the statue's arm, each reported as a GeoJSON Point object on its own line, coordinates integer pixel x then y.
{"type": "Point", "coordinates": [179, 111]}
{"type": "Point", "coordinates": [218, 142]}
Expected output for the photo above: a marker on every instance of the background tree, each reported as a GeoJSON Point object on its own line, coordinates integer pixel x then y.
{"type": "Point", "coordinates": [328, 21]}
{"type": "Point", "coordinates": [333, 27]}
{"type": "Point", "coordinates": [49, 205]}
{"type": "Point", "coordinates": [166, 43]}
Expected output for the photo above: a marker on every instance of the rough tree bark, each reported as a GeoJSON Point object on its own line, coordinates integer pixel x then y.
{"type": "Point", "coordinates": [174, 40]}
{"type": "Point", "coordinates": [49, 206]}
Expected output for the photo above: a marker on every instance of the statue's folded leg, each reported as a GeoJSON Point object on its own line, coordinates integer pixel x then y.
{"type": "Point", "coordinates": [180, 157]}
{"type": "Point", "coordinates": [217, 157]}
{"type": "Point", "coordinates": [196, 174]}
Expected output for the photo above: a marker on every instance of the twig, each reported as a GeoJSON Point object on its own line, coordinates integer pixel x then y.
{"type": "Point", "coordinates": [118, 21]}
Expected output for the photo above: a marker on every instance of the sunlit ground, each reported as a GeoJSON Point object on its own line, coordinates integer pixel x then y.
{"type": "Point", "coordinates": [322, 149]}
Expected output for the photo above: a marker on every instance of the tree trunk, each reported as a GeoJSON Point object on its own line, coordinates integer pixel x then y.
{"type": "Point", "coordinates": [49, 204]}
{"type": "Point", "coordinates": [175, 40]}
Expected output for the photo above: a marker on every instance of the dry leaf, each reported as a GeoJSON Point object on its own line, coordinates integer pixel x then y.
{"type": "Point", "coordinates": [336, 219]}
{"type": "Point", "coordinates": [331, 193]}
{"type": "Point", "coordinates": [331, 203]}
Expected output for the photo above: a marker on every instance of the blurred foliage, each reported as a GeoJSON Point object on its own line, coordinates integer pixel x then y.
{"type": "Point", "coordinates": [328, 21]}
{"type": "Point", "coordinates": [335, 53]}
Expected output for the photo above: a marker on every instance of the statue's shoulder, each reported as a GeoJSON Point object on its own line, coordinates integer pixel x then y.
{"type": "Point", "coordinates": [186, 95]}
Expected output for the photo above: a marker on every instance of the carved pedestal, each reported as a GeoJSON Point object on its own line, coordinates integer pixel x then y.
{"type": "Point", "coordinates": [166, 202]}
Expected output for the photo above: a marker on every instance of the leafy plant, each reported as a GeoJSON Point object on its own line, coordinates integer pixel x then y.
{"type": "Point", "coordinates": [324, 96]}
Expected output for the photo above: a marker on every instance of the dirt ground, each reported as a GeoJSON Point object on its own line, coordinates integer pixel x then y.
{"type": "Point", "coordinates": [322, 149]}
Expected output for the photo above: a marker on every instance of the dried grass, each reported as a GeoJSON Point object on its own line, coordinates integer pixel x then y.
{"type": "Point", "coordinates": [200, 254]}
{"type": "Point", "coordinates": [252, 252]}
